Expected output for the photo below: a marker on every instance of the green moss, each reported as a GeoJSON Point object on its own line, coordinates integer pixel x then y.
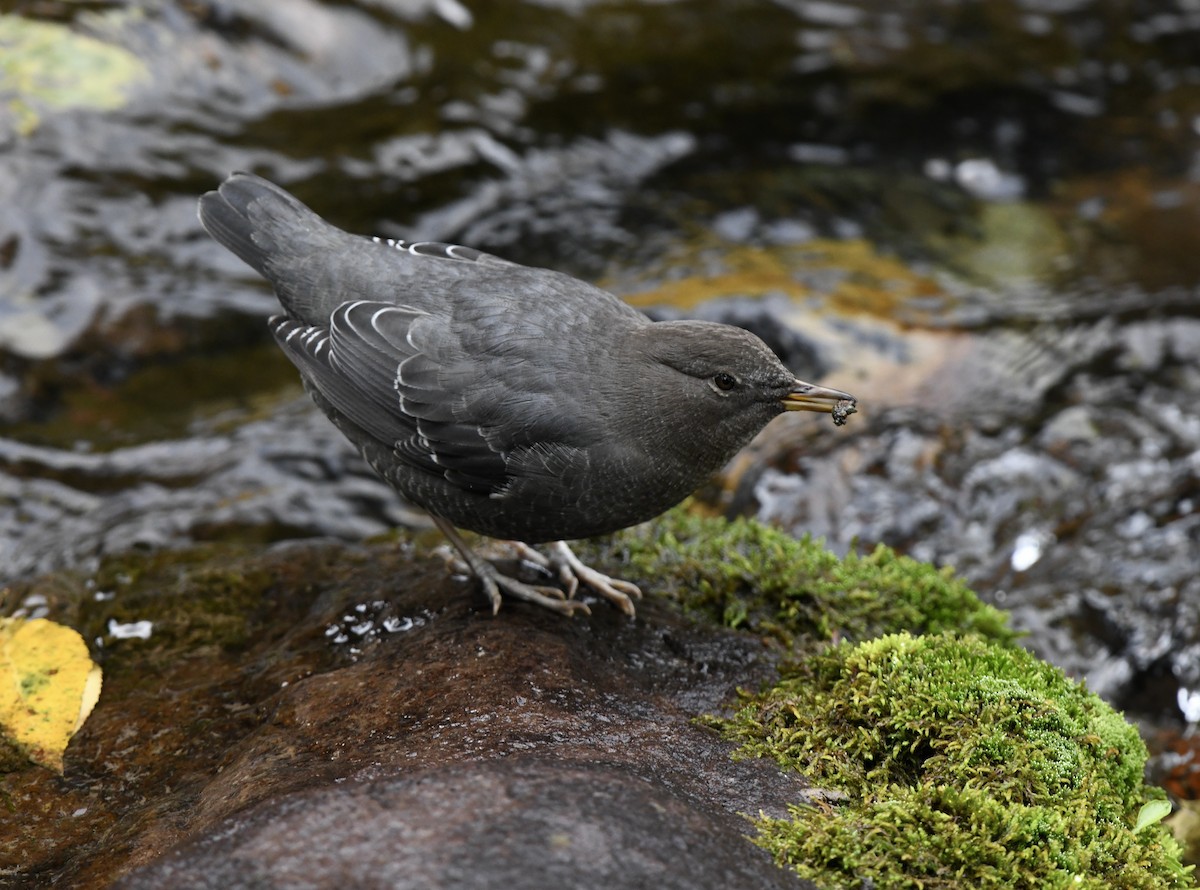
{"type": "Point", "coordinates": [962, 760]}
{"type": "Point", "coordinates": [746, 574]}
{"type": "Point", "coordinates": [200, 600]}
{"type": "Point", "coordinates": [963, 763]}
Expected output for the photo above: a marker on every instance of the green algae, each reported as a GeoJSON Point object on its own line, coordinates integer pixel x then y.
{"type": "Point", "coordinates": [141, 403]}
{"type": "Point", "coordinates": [850, 276]}
{"type": "Point", "coordinates": [200, 602]}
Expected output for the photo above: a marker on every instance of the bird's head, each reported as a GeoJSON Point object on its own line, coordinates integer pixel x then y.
{"type": "Point", "coordinates": [725, 383]}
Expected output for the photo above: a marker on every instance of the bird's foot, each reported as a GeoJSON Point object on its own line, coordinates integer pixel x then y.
{"type": "Point", "coordinates": [571, 570]}
{"type": "Point", "coordinates": [496, 582]}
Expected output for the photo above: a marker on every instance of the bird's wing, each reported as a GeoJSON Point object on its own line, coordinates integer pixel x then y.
{"type": "Point", "coordinates": [398, 375]}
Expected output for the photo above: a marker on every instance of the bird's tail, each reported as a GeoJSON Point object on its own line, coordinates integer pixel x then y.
{"type": "Point", "coordinates": [279, 237]}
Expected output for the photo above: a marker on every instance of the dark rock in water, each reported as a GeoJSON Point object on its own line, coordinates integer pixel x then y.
{"type": "Point", "coordinates": [515, 823]}
{"type": "Point", "coordinates": [322, 715]}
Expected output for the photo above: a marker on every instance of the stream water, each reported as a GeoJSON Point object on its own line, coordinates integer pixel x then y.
{"type": "Point", "coordinates": [981, 218]}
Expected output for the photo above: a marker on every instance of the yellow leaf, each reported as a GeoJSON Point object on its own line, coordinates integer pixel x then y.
{"type": "Point", "coordinates": [48, 686]}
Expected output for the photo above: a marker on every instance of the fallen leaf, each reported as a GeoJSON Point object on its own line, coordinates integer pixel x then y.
{"type": "Point", "coordinates": [48, 686]}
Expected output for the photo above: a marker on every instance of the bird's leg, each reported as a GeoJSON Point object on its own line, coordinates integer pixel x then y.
{"type": "Point", "coordinates": [494, 581]}
{"type": "Point", "coordinates": [571, 570]}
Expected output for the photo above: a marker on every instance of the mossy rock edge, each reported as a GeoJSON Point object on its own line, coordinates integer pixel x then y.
{"type": "Point", "coordinates": [959, 758]}
{"type": "Point", "coordinates": [963, 763]}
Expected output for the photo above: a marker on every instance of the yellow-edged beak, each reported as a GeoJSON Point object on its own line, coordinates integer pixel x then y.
{"type": "Point", "coordinates": [810, 397]}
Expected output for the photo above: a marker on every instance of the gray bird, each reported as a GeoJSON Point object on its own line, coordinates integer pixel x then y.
{"type": "Point", "coordinates": [516, 402]}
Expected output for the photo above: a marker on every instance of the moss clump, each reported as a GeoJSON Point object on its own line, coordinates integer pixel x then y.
{"type": "Point", "coordinates": [746, 574]}
{"type": "Point", "coordinates": [965, 764]}
{"type": "Point", "coordinates": [199, 597]}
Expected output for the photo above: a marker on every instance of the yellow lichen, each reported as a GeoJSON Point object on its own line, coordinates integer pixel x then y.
{"type": "Point", "coordinates": [848, 276]}
{"type": "Point", "coordinates": [48, 65]}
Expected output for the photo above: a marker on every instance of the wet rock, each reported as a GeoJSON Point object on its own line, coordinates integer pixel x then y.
{"type": "Point", "coordinates": [521, 823]}
{"type": "Point", "coordinates": [562, 202]}
{"type": "Point", "coordinates": [1068, 428]}
{"type": "Point", "coordinates": [342, 712]}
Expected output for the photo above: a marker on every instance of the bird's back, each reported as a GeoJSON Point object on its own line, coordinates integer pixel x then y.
{"type": "Point", "coordinates": [316, 267]}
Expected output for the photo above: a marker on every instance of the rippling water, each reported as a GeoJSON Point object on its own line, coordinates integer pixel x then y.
{"type": "Point", "coordinates": [980, 218]}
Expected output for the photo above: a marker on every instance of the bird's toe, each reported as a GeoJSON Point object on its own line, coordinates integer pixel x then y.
{"type": "Point", "coordinates": [496, 582]}
{"type": "Point", "coordinates": [568, 565]}
{"type": "Point", "coordinates": [548, 597]}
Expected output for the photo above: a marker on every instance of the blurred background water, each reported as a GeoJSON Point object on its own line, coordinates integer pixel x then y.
{"type": "Point", "coordinates": [981, 218]}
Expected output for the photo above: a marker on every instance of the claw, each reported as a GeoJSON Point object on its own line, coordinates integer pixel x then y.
{"type": "Point", "coordinates": [494, 581]}
{"type": "Point", "coordinates": [568, 567]}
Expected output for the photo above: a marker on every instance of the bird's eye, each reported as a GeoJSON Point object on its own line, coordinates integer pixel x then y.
{"type": "Point", "coordinates": [724, 382]}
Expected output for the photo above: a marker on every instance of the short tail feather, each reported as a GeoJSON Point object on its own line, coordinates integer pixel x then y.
{"type": "Point", "coordinates": [275, 234]}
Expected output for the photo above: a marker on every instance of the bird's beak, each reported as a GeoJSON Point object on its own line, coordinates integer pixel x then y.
{"type": "Point", "coordinates": [810, 397]}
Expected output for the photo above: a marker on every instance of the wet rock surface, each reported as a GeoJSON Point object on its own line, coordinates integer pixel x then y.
{"type": "Point", "coordinates": [521, 823]}
{"type": "Point", "coordinates": [326, 713]}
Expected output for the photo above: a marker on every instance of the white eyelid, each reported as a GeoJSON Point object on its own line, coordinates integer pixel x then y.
{"type": "Point", "coordinates": [712, 382]}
